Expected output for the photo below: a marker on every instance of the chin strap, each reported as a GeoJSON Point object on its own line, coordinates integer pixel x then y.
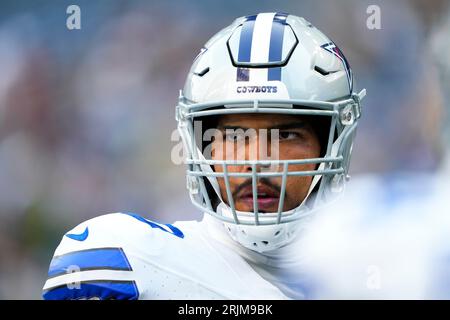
{"type": "Point", "coordinates": [212, 180]}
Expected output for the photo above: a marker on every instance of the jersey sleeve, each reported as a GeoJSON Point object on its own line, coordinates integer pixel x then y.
{"type": "Point", "coordinates": [114, 256]}
{"type": "Point", "coordinates": [91, 263]}
{"type": "Point", "coordinates": [91, 273]}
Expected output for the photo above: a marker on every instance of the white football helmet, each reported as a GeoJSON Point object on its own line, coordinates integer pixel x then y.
{"type": "Point", "coordinates": [268, 63]}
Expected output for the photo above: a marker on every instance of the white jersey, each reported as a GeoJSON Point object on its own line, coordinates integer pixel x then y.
{"type": "Point", "coordinates": [124, 256]}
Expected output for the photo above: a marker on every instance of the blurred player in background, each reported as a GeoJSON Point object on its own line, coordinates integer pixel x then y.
{"type": "Point", "coordinates": [389, 237]}
{"type": "Point", "coordinates": [267, 116]}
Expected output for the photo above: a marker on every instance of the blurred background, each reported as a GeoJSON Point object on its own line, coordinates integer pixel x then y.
{"type": "Point", "coordinates": [86, 116]}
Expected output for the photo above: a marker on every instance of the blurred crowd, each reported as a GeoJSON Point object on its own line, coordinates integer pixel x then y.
{"type": "Point", "coordinates": [86, 116]}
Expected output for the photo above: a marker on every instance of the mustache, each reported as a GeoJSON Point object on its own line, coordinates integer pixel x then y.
{"type": "Point", "coordinates": [248, 182]}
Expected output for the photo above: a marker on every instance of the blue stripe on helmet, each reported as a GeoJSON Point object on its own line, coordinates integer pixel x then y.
{"type": "Point", "coordinates": [245, 47]}
{"type": "Point", "coordinates": [276, 45]}
{"type": "Point", "coordinates": [91, 259]}
{"type": "Point", "coordinates": [103, 289]}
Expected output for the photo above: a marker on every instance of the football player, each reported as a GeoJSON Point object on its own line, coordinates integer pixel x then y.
{"type": "Point", "coordinates": [269, 81]}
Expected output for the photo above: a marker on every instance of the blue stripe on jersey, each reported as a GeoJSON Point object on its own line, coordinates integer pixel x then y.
{"type": "Point", "coordinates": [91, 259]}
{"type": "Point", "coordinates": [276, 45]}
{"type": "Point", "coordinates": [103, 289]}
{"type": "Point", "coordinates": [174, 230]}
{"type": "Point", "coordinates": [245, 47]}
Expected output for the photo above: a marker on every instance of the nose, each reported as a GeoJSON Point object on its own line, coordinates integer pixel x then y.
{"type": "Point", "coordinates": [258, 148]}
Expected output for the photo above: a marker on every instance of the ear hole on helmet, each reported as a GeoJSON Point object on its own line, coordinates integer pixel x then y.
{"type": "Point", "coordinates": [277, 233]}
{"type": "Point", "coordinates": [265, 242]}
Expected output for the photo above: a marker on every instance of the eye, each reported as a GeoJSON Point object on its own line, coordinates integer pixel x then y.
{"type": "Point", "coordinates": [289, 135]}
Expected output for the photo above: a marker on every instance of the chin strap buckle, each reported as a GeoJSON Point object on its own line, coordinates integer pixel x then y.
{"type": "Point", "coordinates": [192, 184]}
{"type": "Point", "coordinates": [338, 183]}
{"type": "Point", "coordinates": [352, 111]}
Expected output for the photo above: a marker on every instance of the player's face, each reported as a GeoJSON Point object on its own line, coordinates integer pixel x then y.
{"type": "Point", "coordinates": [296, 140]}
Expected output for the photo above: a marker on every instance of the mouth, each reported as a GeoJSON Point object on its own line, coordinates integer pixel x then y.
{"type": "Point", "coordinates": [267, 198]}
